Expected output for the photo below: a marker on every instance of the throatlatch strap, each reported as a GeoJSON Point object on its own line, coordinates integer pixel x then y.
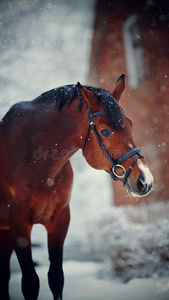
{"type": "Point", "coordinates": [85, 139]}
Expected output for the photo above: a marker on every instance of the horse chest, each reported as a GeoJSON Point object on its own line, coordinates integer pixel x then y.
{"type": "Point", "coordinates": [43, 208]}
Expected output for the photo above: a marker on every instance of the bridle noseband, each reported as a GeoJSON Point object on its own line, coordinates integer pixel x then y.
{"type": "Point", "coordinates": [115, 163]}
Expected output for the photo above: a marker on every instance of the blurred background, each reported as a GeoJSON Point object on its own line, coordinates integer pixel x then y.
{"type": "Point", "coordinates": [116, 244]}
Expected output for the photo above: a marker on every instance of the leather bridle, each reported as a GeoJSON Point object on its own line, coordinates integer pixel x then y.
{"type": "Point", "coordinates": [115, 163]}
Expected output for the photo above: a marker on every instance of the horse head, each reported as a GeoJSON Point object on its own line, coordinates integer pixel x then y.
{"type": "Point", "coordinates": [107, 142]}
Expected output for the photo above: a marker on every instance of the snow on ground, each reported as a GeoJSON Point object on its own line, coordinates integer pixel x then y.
{"type": "Point", "coordinates": [82, 283]}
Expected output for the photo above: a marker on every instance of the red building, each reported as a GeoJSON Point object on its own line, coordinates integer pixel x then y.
{"type": "Point", "coordinates": [132, 37]}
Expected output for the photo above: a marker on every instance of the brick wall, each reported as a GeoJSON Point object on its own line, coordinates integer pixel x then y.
{"type": "Point", "coordinates": [148, 104]}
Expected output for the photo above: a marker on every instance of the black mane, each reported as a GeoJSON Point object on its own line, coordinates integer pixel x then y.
{"type": "Point", "coordinates": [67, 93]}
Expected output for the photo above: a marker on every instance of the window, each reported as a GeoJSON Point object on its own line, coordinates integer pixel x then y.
{"type": "Point", "coordinates": [134, 52]}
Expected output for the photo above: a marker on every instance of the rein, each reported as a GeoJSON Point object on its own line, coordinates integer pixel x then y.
{"type": "Point", "coordinates": [115, 163]}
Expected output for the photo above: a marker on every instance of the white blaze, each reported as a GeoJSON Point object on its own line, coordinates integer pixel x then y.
{"type": "Point", "coordinates": [146, 172]}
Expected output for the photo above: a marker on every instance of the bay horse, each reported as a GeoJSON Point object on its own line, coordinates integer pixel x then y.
{"type": "Point", "coordinates": [36, 188]}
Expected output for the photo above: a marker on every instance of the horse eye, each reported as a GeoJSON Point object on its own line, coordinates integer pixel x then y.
{"type": "Point", "coordinates": [105, 132]}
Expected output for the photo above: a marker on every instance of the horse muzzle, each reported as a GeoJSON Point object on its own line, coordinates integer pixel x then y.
{"type": "Point", "coordinates": [142, 187]}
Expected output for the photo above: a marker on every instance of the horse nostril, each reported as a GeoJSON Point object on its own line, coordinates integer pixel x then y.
{"type": "Point", "coordinates": [141, 185]}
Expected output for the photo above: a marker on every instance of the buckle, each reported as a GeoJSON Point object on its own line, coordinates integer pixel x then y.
{"type": "Point", "coordinates": [91, 123]}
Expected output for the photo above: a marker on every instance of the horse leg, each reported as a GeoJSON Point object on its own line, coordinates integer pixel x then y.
{"type": "Point", "coordinates": [20, 230]}
{"type": "Point", "coordinates": [56, 236]}
{"type": "Point", "coordinates": [6, 247]}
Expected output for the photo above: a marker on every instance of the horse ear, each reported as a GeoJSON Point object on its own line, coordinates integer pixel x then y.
{"type": "Point", "coordinates": [88, 97]}
{"type": "Point", "coordinates": [119, 87]}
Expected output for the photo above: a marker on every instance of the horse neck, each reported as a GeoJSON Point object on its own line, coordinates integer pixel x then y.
{"type": "Point", "coordinates": [64, 129]}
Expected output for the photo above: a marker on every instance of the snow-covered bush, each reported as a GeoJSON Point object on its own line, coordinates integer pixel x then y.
{"type": "Point", "coordinates": [132, 241]}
